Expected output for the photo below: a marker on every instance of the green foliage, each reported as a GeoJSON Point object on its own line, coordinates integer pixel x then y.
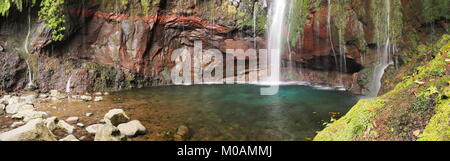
{"type": "Point", "coordinates": [435, 9]}
{"type": "Point", "coordinates": [52, 12]}
{"type": "Point", "coordinates": [5, 5]}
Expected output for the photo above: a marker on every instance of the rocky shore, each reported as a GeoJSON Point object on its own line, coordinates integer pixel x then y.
{"type": "Point", "coordinates": [22, 120]}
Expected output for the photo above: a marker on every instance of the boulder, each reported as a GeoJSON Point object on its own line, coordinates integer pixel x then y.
{"type": "Point", "coordinates": [92, 129]}
{"type": "Point", "coordinates": [132, 128]}
{"type": "Point", "coordinates": [182, 133]}
{"type": "Point", "coordinates": [72, 119]}
{"type": "Point", "coordinates": [34, 130]}
{"type": "Point", "coordinates": [69, 138]}
{"type": "Point", "coordinates": [51, 123]}
{"type": "Point", "coordinates": [116, 117]}
{"type": "Point", "coordinates": [98, 99]}
{"type": "Point", "coordinates": [28, 115]}
{"type": "Point", "coordinates": [15, 108]}
{"type": "Point", "coordinates": [109, 133]}
{"type": "Point", "coordinates": [65, 126]}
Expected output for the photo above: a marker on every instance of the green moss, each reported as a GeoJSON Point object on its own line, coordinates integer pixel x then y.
{"type": "Point", "coordinates": [353, 124]}
{"type": "Point", "coordinates": [435, 90]}
{"type": "Point", "coordinates": [438, 129]}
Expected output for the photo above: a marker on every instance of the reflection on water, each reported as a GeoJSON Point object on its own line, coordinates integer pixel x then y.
{"type": "Point", "coordinates": [238, 112]}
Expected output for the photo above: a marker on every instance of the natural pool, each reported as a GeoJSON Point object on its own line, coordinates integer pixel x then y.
{"type": "Point", "coordinates": [237, 112]}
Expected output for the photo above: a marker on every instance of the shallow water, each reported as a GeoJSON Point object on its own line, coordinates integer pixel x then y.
{"type": "Point", "coordinates": [238, 112]}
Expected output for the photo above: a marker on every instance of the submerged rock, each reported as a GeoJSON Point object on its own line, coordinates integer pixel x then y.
{"type": "Point", "coordinates": [69, 138]}
{"type": "Point", "coordinates": [116, 117]}
{"type": "Point", "coordinates": [132, 128]}
{"type": "Point", "coordinates": [34, 130]}
{"type": "Point", "coordinates": [182, 133]}
{"type": "Point", "coordinates": [92, 129]}
{"type": "Point", "coordinates": [109, 133]}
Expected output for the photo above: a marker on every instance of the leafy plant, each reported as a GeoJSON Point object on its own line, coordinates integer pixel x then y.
{"type": "Point", "coordinates": [52, 12]}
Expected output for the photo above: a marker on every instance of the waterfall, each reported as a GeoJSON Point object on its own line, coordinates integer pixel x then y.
{"type": "Point", "coordinates": [254, 24]}
{"type": "Point", "coordinates": [25, 44]}
{"type": "Point", "coordinates": [384, 49]}
{"type": "Point", "coordinates": [277, 18]}
{"type": "Point", "coordinates": [330, 37]}
{"type": "Point", "coordinates": [30, 76]}
{"type": "Point", "coordinates": [69, 82]}
{"type": "Point", "coordinates": [290, 64]}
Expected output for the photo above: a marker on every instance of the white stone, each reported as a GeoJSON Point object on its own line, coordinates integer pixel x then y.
{"type": "Point", "coordinates": [43, 95]}
{"type": "Point", "coordinates": [5, 99]}
{"type": "Point", "coordinates": [17, 124]}
{"type": "Point", "coordinates": [34, 130]}
{"type": "Point", "coordinates": [28, 115]}
{"type": "Point", "coordinates": [89, 114]}
{"type": "Point", "coordinates": [98, 93]}
{"type": "Point", "coordinates": [28, 98]}
{"type": "Point", "coordinates": [15, 108]}
{"type": "Point", "coordinates": [106, 93]}
{"type": "Point", "coordinates": [98, 99]}
{"type": "Point", "coordinates": [72, 119]}
{"type": "Point", "coordinates": [65, 126]}
{"type": "Point", "coordinates": [109, 133]}
{"type": "Point", "coordinates": [86, 98]}
{"type": "Point", "coordinates": [116, 117]}
{"type": "Point", "coordinates": [69, 138]}
{"type": "Point", "coordinates": [51, 123]}
{"type": "Point", "coordinates": [92, 129]}
{"type": "Point", "coordinates": [54, 93]}
{"type": "Point", "coordinates": [132, 128]}
{"type": "Point", "coordinates": [80, 124]}
{"type": "Point", "coordinates": [13, 100]}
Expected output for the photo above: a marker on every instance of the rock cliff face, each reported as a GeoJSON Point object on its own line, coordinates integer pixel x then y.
{"type": "Point", "coordinates": [113, 45]}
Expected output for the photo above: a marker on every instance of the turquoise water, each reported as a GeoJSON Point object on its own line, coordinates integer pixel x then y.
{"type": "Point", "coordinates": [239, 112]}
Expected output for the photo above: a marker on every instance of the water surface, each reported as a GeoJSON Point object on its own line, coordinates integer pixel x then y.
{"type": "Point", "coordinates": [239, 112]}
